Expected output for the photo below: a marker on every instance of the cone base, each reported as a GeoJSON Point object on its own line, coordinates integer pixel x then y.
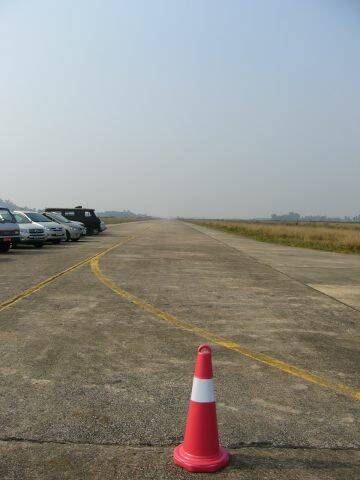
{"type": "Point", "coordinates": [193, 463]}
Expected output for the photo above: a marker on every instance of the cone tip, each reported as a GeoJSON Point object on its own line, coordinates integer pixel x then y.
{"type": "Point", "coordinates": [203, 366]}
{"type": "Point", "coordinates": [204, 348]}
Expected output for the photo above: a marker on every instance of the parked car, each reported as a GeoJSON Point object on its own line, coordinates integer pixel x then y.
{"type": "Point", "coordinates": [73, 231]}
{"type": "Point", "coordinates": [9, 229]}
{"type": "Point", "coordinates": [31, 233]}
{"type": "Point", "coordinates": [87, 216]}
{"type": "Point", "coordinates": [103, 226]}
{"type": "Point", "coordinates": [54, 232]}
{"type": "Point", "coordinates": [79, 224]}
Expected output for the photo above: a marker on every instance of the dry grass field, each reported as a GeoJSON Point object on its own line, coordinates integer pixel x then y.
{"type": "Point", "coordinates": [337, 237]}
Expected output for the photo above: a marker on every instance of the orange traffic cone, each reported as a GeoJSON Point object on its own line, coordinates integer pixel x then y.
{"type": "Point", "coordinates": [200, 451]}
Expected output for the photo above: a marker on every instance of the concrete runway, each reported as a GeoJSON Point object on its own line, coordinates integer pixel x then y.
{"type": "Point", "coordinates": [97, 357]}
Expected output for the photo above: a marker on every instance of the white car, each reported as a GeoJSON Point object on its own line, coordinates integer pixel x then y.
{"type": "Point", "coordinates": [31, 233]}
{"type": "Point", "coordinates": [73, 230]}
{"type": "Point", "coordinates": [54, 232]}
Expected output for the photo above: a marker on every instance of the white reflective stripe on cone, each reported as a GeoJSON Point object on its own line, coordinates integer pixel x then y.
{"type": "Point", "coordinates": [203, 390]}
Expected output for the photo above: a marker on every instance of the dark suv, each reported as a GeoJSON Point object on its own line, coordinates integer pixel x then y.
{"type": "Point", "coordinates": [86, 216]}
{"type": "Point", "coordinates": [9, 229]}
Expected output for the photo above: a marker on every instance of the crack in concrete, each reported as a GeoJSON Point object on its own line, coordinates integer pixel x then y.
{"type": "Point", "coordinates": [284, 446]}
{"type": "Point", "coordinates": [232, 446]}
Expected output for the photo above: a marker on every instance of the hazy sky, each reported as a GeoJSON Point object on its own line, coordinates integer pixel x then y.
{"type": "Point", "coordinates": [181, 107]}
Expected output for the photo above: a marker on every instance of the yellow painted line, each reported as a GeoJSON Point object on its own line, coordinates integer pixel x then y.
{"type": "Point", "coordinates": [216, 339]}
{"type": "Point", "coordinates": [35, 288]}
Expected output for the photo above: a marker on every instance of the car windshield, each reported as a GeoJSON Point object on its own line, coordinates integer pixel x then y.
{"type": "Point", "coordinates": [38, 217]}
{"type": "Point", "coordinates": [20, 218]}
{"type": "Point", "coordinates": [6, 217]}
{"type": "Point", "coordinates": [59, 217]}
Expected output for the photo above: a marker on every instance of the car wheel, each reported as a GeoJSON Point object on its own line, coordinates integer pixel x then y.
{"type": "Point", "coordinates": [5, 247]}
{"type": "Point", "coordinates": [75, 239]}
{"type": "Point", "coordinates": [68, 236]}
{"type": "Point", "coordinates": [38, 245]}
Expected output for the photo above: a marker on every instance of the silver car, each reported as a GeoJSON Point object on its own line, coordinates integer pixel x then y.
{"type": "Point", "coordinates": [82, 226]}
{"type": "Point", "coordinates": [54, 232]}
{"type": "Point", "coordinates": [78, 224]}
{"type": "Point", "coordinates": [31, 233]}
{"type": "Point", "coordinates": [73, 230]}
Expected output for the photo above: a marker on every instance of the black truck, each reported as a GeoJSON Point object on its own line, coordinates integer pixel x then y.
{"type": "Point", "coordinates": [87, 216]}
{"type": "Point", "coordinates": [9, 230]}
